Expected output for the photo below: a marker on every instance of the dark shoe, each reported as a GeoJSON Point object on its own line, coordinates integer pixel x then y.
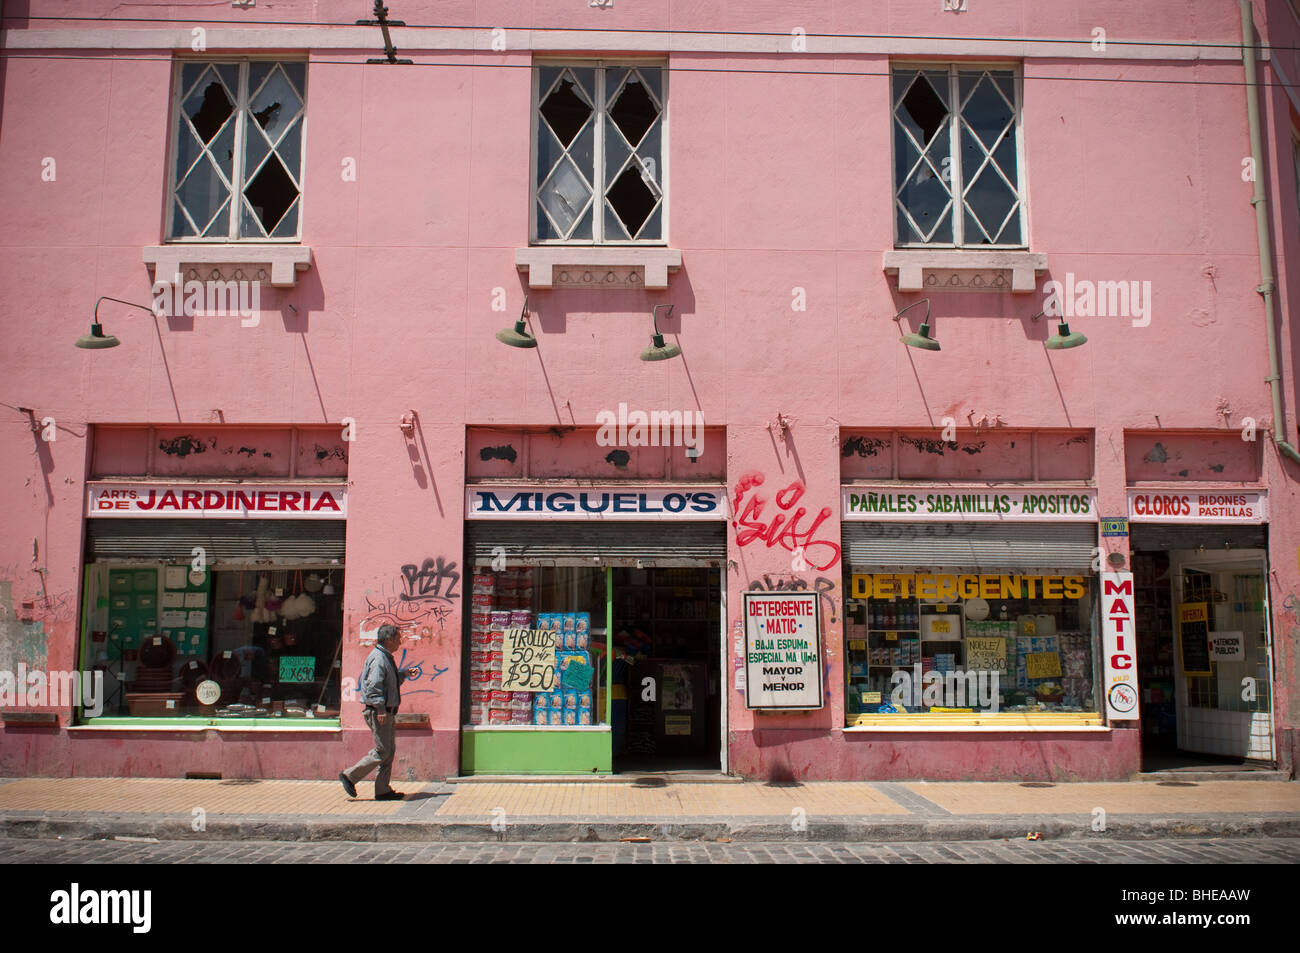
{"type": "Point", "coordinates": [390, 796]}
{"type": "Point", "coordinates": [348, 785]}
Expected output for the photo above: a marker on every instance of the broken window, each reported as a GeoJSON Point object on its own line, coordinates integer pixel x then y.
{"type": "Point", "coordinates": [238, 150]}
{"type": "Point", "coordinates": [956, 165]}
{"type": "Point", "coordinates": [599, 158]}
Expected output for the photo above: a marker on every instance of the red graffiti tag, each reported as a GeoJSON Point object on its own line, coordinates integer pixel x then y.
{"type": "Point", "coordinates": [749, 525]}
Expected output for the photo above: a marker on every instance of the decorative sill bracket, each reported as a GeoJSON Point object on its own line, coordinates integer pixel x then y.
{"type": "Point", "coordinates": [943, 269]}
{"type": "Point", "coordinates": [599, 267]}
{"type": "Point", "coordinates": [279, 264]}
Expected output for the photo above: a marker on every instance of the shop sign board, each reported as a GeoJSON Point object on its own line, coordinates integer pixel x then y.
{"type": "Point", "coordinates": [1227, 646]}
{"type": "Point", "coordinates": [1119, 646]}
{"type": "Point", "coordinates": [217, 500]}
{"type": "Point", "coordinates": [783, 664]}
{"type": "Point", "coordinates": [528, 657]}
{"type": "Point", "coordinates": [949, 587]}
{"type": "Point", "coordinates": [595, 503]}
{"type": "Point", "coordinates": [1194, 638]}
{"type": "Point", "coordinates": [1185, 506]}
{"type": "Point", "coordinates": [967, 504]}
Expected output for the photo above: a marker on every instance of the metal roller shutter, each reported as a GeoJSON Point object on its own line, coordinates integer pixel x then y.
{"type": "Point", "coordinates": [1165, 536]}
{"type": "Point", "coordinates": [553, 543]}
{"type": "Point", "coordinates": [986, 547]}
{"type": "Point", "coordinates": [229, 541]}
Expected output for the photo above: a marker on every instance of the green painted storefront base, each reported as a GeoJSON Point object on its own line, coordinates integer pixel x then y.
{"type": "Point", "coordinates": [527, 750]}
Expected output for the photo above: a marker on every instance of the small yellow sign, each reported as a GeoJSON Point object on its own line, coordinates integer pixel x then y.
{"type": "Point", "coordinates": [891, 636]}
{"type": "Point", "coordinates": [1043, 664]}
{"type": "Point", "coordinates": [857, 645]}
{"type": "Point", "coordinates": [871, 698]}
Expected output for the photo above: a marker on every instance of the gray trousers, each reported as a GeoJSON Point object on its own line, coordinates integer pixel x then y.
{"type": "Point", "coordinates": [381, 756]}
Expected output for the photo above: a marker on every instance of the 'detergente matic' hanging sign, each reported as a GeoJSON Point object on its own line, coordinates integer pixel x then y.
{"type": "Point", "coordinates": [783, 665]}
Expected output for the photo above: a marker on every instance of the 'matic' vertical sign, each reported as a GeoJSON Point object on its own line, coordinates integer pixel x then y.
{"type": "Point", "coordinates": [783, 664]}
{"type": "Point", "coordinates": [1120, 646]}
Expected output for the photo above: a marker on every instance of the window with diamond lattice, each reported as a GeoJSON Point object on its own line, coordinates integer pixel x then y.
{"type": "Point", "coordinates": [956, 158]}
{"type": "Point", "coordinates": [237, 147]}
{"type": "Point", "coordinates": [598, 174]}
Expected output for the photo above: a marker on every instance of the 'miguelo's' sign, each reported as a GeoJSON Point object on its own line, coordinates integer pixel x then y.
{"type": "Point", "coordinates": [218, 500]}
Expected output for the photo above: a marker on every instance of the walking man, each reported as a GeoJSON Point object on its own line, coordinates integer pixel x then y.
{"type": "Point", "coordinates": [381, 694]}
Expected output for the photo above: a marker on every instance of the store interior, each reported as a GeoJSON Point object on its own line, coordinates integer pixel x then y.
{"type": "Point", "coordinates": [224, 643]}
{"type": "Point", "coordinates": [1225, 700]}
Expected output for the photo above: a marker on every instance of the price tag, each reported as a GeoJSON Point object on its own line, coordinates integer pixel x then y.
{"type": "Point", "coordinates": [891, 636]}
{"type": "Point", "coordinates": [528, 660]}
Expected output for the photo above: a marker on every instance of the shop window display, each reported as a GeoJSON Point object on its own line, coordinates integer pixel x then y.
{"type": "Point", "coordinates": [256, 643]}
{"type": "Point", "coordinates": [969, 643]}
{"type": "Point", "coordinates": [536, 647]}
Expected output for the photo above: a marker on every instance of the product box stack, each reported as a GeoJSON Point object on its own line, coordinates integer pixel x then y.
{"type": "Point", "coordinates": [499, 601]}
{"type": "Point", "coordinates": [1076, 667]}
{"type": "Point", "coordinates": [569, 702]}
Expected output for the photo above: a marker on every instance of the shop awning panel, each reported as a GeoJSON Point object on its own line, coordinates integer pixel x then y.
{"type": "Point", "coordinates": [224, 541]}
{"type": "Point", "coordinates": [983, 547]}
{"type": "Point", "coordinates": [560, 543]}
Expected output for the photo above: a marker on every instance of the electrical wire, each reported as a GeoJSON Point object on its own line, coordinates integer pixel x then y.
{"type": "Point", "coordinates": [97, 56]}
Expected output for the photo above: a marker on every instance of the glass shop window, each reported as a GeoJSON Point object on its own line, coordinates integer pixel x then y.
{"type": "Point", "coordinates": [969, 643]}
{"type": "Point", "coordinates": [537, 647]}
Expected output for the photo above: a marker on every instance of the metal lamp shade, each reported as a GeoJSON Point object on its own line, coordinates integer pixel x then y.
{"type": "Point", "coordinates": [97, 339]}
{"type": "Point", "coordinates": [516, 336]}
{"type": "Point", "coordinates": [1064, 338]}
{"type": "Point", "coordinates": [921, 339]}
{"type": "Point", "coordinates": [658, 350]}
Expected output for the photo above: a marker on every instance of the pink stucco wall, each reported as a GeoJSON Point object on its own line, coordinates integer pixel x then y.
{"type": "Point", "coordinates": [779, 179]}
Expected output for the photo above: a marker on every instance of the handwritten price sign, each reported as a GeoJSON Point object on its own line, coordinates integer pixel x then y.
{"type": "Point", "coordinates": [529, 660]}
{"type": "Point", "coordinates": [986, 654]}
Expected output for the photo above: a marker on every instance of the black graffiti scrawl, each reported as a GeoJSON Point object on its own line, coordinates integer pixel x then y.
{"type": "Point", "coordinates": [426, 580]}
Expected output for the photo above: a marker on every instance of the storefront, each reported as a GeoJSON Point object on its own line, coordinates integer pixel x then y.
{"type": "Point", "coordinates": [1205, 659]}
{"type": "Point", "coordinates": [217, 603]}
{"type": "Point", "coordinates": [593, 640]}
{"type": "Point", "coordinates": [971, 607]}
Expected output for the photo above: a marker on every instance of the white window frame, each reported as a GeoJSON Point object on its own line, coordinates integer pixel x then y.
{"type": "Point", "coordinates": [598, 221]}
{"type": "Point", "coordinates": [237, 169]}
{"type": "Point", "coordinates": [954, 145]}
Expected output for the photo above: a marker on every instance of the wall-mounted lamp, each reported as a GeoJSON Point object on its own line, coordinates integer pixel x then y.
{"type": "Point", "coordinates": [921, 338]}
{"type": "Point", "coordinates": [1063, 338]}
{"type": "Point", "coordinates": [658, 350]}
{"type": "Point", "coordinates": [518, 336]}
{"type": "Point", "coordinates": [407, 424]}
{"type": "Point", "coordinates": [97, 339]}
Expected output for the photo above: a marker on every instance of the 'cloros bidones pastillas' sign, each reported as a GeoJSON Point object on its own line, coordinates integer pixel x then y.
{"type": "Point", "coordinates": [218, 500]}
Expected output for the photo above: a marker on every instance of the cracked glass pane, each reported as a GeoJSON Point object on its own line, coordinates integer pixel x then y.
{"type": "Point", "coordinates": [220, 225]}
{"type": "Point", "coordinates": [255, 150]}
{"type": "Point", "coordinates": [922, 112]}
{"type": "Point", "coordinates": [208, 108]}
{"type": "Point", "coordinates": [290, 149]}
{"type": "Point", "coordinates": [631, 199]}
{"type": "Point", "coordinates": [564, 195]}
{"type": "Point", "coordinates": [987, 113]}
{"type": "Point", "coordinates": [275, 105]}
{"type": "Point", "coordinates": [634, 112]}
{"type": "Point", "coordinates": [202, 192]}
{"type": "Point", "coordinates": [188, 148]}
{"type": "Point", "coordinates": [270, 193]}
{"type": "Point", "coordinates": [223, 151]}
{"type": "Point", "coordinates": [549, 152]}
{"type": "Point", "coordinates": [565, 112]}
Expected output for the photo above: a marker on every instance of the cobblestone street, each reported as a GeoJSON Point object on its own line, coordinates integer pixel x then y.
{"type": "Point", "coordinates": [1178, 851]}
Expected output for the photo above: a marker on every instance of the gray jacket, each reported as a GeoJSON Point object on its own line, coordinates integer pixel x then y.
{"type": "Point", "coordinates": [380, 680]}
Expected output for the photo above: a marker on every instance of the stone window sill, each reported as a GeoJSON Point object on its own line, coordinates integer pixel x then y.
{"type": "Point", "coordinates": [601, 267]}
{"type": "Point", "coordinates": [952, 269]}
{"type": "Point", "coordinates": [278, 264]}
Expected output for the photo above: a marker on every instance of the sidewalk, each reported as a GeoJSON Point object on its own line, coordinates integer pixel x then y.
{"type": "Point", "coordinates": [654, 808]}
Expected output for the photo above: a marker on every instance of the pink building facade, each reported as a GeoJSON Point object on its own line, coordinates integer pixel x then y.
{"type": "Point", "coordinates": [319, 430]}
